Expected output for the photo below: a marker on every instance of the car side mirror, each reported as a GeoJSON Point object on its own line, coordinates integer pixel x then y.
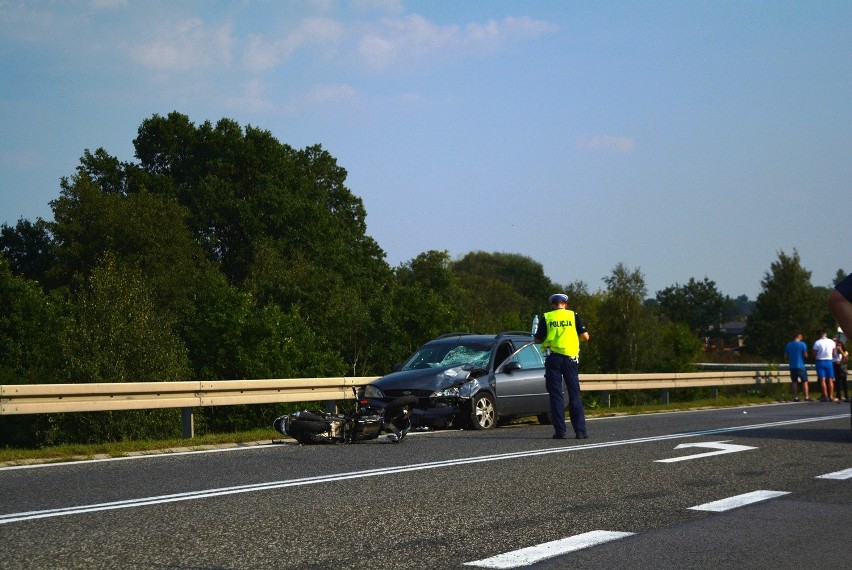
{"type": "Point", "coordinates": [396, 367]}
{"type": "Point", "coordinates": [512, 366]}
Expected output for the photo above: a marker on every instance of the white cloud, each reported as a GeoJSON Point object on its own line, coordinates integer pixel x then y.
{"type": "Point", "coordinates": [263, 53]}
{"type": "Point", "coordinates": [322, 94]}
{"type": "Point", "coordinates": [186, 45]}
{"type": "Point", "coordinates": [493, 34]}
{"type": "Point", "coordinates": [397, 41]}
{"type": "Point", "coordinates": [108, 4]}
{"type": "Point", "coordinates": [607, 144]}
{"type": "Point", "coordinates": [384, 6]}
{"type": "Point", "coordinates": [253, 98]}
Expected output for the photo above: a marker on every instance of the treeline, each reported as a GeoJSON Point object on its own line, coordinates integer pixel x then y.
{"type": "Point", "coordinates": [221, 254]}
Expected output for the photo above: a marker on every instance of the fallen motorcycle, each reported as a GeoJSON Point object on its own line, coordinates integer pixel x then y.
{"type": "Point", "coordinates": [367, 422]}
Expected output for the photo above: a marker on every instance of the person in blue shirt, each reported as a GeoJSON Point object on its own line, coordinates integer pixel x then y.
{"type": "Point", "coordinates": [796, 352]}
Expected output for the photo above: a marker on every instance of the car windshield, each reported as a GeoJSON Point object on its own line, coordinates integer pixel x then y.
{"type": "Point", "coordinates": [449, 354]}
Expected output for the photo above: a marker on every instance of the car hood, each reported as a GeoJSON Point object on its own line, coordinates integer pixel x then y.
{"type": "Point", "coordinates": [425, 379]}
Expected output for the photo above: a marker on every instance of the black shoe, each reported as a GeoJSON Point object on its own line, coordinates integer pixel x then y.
{"type": "Point", "coordinates": [557, 436]}
{"type": "Point", "coordinates": [582, 436]}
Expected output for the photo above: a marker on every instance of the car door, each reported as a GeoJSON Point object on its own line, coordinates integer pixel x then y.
{"type": "Point", "coordinates": [519, 383]}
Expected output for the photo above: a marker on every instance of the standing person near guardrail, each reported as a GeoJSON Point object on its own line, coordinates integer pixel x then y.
{"type": "Point", "coordinates": [841, 386]}
{"type": "Point", "coordinates": [796, 352]}
{"type": "Point", "coordinates": [823, 351]}
{"type": "Point", "coordinates": [560, 333]}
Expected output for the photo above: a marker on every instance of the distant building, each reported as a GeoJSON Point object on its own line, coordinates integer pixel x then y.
{"type": "Point", "coordinates": [727, 336]}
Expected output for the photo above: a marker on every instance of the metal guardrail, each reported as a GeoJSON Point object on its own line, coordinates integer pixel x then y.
{"type": "Point", "coordinates": [55, 398]}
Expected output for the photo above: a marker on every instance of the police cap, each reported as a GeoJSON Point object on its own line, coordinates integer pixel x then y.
{"type": "Point", "coordinates": [559, 297]}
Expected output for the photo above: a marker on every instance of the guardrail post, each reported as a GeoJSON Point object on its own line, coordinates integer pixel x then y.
{"type": "Point", "coordinates": [187, 423]}
{"type": "Point", "coordinates": [605, 396]}
{"type": "Point", "coordinates": [665, 396]}
{"type": "Point", "coordinates": [714, 392]}
{"type": "Point", "coordinates": [331, 406]}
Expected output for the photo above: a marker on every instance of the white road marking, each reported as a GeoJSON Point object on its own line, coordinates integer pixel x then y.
{"type": "Point", "coordinates": [533, 554]}
{"type": "Point", "coordinates": [841, 475]}
{"type": "Point", "coordinates": [739, 501]}
{"type": "Point", "coordinates": [208, 493]}
{"type": "Point", "coordinates": [721, 448]}
{"type": "Point", "coordinates": [151, 456]}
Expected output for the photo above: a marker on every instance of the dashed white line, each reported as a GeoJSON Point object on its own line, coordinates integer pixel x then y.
{"type": "Point", "coordinates": [533, 554]}
{"type": "Point", "coordinates": [841, 475]}
{"type": "Point", "coordinates": [738, 501]}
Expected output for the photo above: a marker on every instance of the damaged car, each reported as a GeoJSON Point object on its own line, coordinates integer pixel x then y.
{"type": "Point", "coordinates": [469, 380]}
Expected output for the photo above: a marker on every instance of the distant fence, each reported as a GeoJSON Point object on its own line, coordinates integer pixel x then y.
{"type": "Point", "coordinates": [17, 399]}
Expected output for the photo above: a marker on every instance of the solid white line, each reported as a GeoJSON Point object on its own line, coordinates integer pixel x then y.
{"type": "Point", "coordinates": [16, 517]}
{"type": "Point", "coordinates": [168, 454]}
{"type": "Point", "coordinates": [841, 475]}
{"type": "Point", "coordinates": [738, 501]}
{"type": "Point", "coordinates": [533, 554]}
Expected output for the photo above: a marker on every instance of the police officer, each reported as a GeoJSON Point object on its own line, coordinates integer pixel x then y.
{"type": "Point", "coordinates": [560, 333]}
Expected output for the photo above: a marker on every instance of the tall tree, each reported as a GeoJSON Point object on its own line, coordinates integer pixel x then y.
{"type": "Point", "coordinates": [28, 330]}
{"type": "Point", "coordinates": [140, 228]}
{"type": "Point", "coordinates": [279, 222]}
{"type": "Point", "coordinates": [29, 248]}
{"type": "Point", "coordinates": [698, 304]}
{"type": "Point", "coordinates": [621, 320]}
{"type": "Point", "coordinates": [503, 290]}
{"type": "Point", "coordinates": [117, 334]}
{"type": "Point", "coordinates": [523, 274]}
{"type": "Point", "coordinates": [788, 303]}
{"type": "Point", "coordinates": [428, 297]}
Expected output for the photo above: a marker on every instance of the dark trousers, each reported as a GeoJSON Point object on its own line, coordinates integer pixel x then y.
{"type": "Point", "coordinates": [840, 381]}
{"type": "Point", "coordinates": [556, 368]}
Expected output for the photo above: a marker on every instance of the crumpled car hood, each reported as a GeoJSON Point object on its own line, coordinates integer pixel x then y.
{"type": "Point", "coordinates": [425, 379]}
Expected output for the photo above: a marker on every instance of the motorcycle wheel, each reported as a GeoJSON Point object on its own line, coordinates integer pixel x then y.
{"type": "Point", "coordinates": [308, 431]}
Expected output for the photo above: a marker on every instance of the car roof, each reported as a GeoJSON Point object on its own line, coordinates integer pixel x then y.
{"type": "Point", "coordinates": [486, 338]}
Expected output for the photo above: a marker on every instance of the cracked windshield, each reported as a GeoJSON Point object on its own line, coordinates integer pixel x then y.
{"type": "Point", "coordinates": [441, 356]}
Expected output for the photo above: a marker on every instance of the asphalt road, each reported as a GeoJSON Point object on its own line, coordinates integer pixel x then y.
{"type": "Point", "coordinates": [452, 498]}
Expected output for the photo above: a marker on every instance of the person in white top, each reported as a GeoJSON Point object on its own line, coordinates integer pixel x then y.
{"type": "Point", "coordinates": [824, 354]}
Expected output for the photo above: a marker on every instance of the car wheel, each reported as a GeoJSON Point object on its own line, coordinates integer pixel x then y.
{"type": "Point", "coordinates": [483, 413]}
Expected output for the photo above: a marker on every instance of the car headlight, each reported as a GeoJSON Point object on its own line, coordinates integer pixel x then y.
{"type": "Point", "coordinates": [373, 392]}
{"type": "Point", "coordinates": [451, 392]}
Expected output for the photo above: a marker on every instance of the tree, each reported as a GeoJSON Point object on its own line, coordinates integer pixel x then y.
{"type": "Point", "coordinates": [117, 333]}
{"type": "Point", "coordinates": [698, 304]}
{"type": "Point", "coordinates": [503, 291]}
{"type": "Point", "coordinates": [29, 249]}
{"type": "Point", "coordinates": [140, 229]}
{"type": "Point", "coordinates": [519, 272]}
{"type": "Point", "coordinates": [278, 222]}
{"type": "Point", "coordinates": [621, 320]}
{"type": "Point", "coordinates": [787, 304]}
{"type": "Point", "coordinates": [28, 330]}
{"type": "Point", "coordinates": [114, 333]}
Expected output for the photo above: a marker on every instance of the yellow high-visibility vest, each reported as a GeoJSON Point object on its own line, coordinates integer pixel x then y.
{"type": "Point", "coordinates": [561, 333]}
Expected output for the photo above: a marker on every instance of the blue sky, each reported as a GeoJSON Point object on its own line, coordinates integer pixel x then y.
{"type": "Point", "coordinates": [686, 139]}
